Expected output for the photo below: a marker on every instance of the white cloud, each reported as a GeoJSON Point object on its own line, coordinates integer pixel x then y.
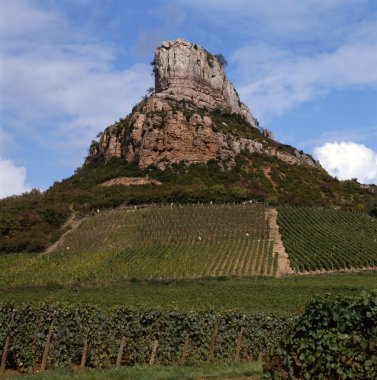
{"type": "Point", "coordinates": [289, 19]}
{"type": "Point", "coordinates": [62, 84]}
{"type": "Point", "coordinates": [21, 17]}
{"type": "Point", "coordinates": [296, 51]}
{"type": "Point", "coordinates": [358, 135]}
{"type": "Point", "coordinates": [347, 160]}
{"type": "Point", "coordinates": [281, 80]}
{"type": "Point", "coordinates": [12, 179]}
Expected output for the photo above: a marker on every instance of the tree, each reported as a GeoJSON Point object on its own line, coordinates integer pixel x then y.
{"type": "Point", "coordinates": [8, 225]}
{"type": "Point", "coordinates": [221, 59]}
{"type": "Point", "coordinates": [150, 90]}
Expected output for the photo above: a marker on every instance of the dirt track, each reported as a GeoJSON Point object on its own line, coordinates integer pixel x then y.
{"type": "Point", "coordinates": [284, 266]}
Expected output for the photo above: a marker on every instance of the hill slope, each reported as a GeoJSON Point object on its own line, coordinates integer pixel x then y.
{"type": "Point", "coordinates": [191, 140]}
{"type": "Point", "coordinates": [193, 241]}
{"type": "Point", "coordinates": [320, 239]}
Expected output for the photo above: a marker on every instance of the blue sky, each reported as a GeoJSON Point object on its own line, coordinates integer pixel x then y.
{"type": "Point", "coordinates": [307, 69]}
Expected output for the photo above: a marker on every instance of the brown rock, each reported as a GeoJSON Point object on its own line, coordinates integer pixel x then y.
{"type": "Point", "coordinates": [181, 121]}
{"type": "Point", "coordinates": [186, 71]}
{"type": "Point", "coordinates": [160, 135]}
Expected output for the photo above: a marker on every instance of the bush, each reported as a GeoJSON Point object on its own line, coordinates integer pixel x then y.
{"type": "Point", "coordinates": [333, 339]}
{"type": "Point", "coordinates": [221, 59]}
{"type": "Point", "coordinates": [70, 326]}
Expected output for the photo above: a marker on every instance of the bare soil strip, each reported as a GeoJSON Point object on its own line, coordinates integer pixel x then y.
{"type": "Point", "coordinates": [267, 174]}
{"type": "Point", "coordinates": [262, 257]}
{"type": "Point", "coordinates": [237, 261]}
{"type": "Point", "coordinates": [71, 222]}
{"type": "Point", "coordinates": [284, 265]}
{"type": "Point", "coordinates": [130, 181]}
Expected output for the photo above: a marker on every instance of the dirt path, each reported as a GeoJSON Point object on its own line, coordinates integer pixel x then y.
{"type": "Point", "coordinates": [284, 265]}
{"type": "Point", "coordinates": [267, 174]}
{"type": "Point", "coordinates": [71, 222]}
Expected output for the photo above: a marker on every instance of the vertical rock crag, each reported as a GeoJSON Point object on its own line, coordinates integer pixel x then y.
{"type": "Point", "coordinates": [186, 71]}
{"type": "Point", "coordinates": [194, 115]}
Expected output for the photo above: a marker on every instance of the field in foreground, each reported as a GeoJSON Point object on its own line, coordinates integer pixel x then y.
{"type": "Point", "coordinates": [336, 334]}
{"type": "Point", "coordinates": [279, 296]}
{"type": "Point", "coordinates": [214, 371]}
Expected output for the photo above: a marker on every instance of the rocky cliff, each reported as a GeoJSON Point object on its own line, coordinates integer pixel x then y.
{"type": "Point", "coordinates": [194, 115]}
{"type": "Point", "coordinates": [187, 71]}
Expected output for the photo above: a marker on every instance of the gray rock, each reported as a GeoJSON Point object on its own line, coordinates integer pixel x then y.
{"type": "Point", "coordinates": [186, 71]}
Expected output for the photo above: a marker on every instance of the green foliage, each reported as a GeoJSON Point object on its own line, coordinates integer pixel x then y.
{"type": "Point", "coordinates": [281, 296]}
{"type": "Point", "coordinates": [8, 225]}
{"type": "Point", "coordinates": [234, 124]}
{"type": "Point", "coordinates": [221, 59]}
{"type": "Point", "coordinates": [72, 325]}
{"type": "Point", "coordinates": [333, 339]}
{"type": "Point", "coordinates": [27, 222]}
{"type": "Point", "coordinates": [317, 238]}
{"type": "Point", "coordinates": [373, 212]}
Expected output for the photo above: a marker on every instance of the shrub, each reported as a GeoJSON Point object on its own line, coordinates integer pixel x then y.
{"type": "Point", "coordinates": [221, 59]}
{"type": "Point", "coordinates": [333, 339]}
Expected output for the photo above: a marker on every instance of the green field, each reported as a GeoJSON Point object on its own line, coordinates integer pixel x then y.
{"type": "Point", "coordinates": [317, 238]}
{"type": "Point", "coordinates": [281, 296]}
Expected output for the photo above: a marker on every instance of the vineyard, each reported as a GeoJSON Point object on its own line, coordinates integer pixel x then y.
{"type": "Point", "coordinates": [57, 335]}
{"type": "Point", "coordinates": [207, 240]}
{"type": "Point", "coordinates": [324, 239]}
{"type": "Point", "coordinates": [175, 241]}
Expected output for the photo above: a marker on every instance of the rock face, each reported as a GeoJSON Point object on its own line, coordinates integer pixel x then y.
{"type": "Point", "coordinates": [160, 133]}
{"type": "Point", "coordinates": [195, 115]}
{"type": "Point", "coordinates": [187, 71]}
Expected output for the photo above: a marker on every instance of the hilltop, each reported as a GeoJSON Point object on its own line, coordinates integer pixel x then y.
{"type": "Point", "coordinates": [193, 115]}
{"type": "Point", "coordinates": [190, 140]}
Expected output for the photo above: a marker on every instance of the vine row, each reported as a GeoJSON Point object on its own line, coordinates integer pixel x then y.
{"type": "Point", "coordinates": [36, 337]}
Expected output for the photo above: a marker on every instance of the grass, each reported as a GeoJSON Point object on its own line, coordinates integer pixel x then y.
{"type": "Point", "coordinates": [281, 296]}
{"type": "Point", "coordinates": [212, 371]}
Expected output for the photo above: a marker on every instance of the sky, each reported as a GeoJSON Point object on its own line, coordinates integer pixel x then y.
{"type": "Point", "coordinates": [68, 69]}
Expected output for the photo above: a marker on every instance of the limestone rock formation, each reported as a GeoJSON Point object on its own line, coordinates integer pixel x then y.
{"type": "Point", "coordinates": [184, 70]}
{"type": "Point", "coordinates": [195, 115]}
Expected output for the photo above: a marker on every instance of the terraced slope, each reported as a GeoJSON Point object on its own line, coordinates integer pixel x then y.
{"type": "Point", "coordinates": [324, 239]}
{"type": "Point", "coordinates": [175, 241]}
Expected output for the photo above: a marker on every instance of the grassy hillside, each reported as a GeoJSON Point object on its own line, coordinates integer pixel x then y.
{"type": "Point", "coordinates": [194, 241]}
{"type": "Point", "coordinates": [317, 238]}
{"type": "Point", "coordinates": [31, 222]}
